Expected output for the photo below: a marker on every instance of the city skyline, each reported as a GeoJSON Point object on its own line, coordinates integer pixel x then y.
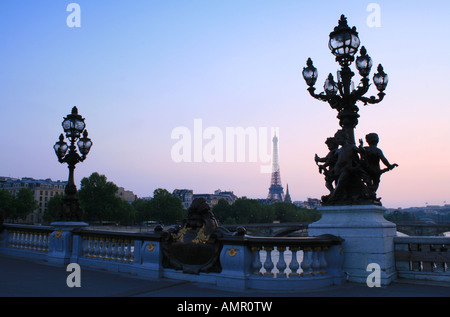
{"type": "Point", "coordinates": [139, 70]}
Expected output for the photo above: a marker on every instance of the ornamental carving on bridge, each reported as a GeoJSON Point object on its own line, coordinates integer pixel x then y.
{"type": "Point", "coordinates": [195, 246]}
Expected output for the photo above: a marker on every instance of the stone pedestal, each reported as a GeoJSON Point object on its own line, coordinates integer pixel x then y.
{"type": "Point", "coordinates": [369, 238]}
{"type": "Point", "coordinates": [61, 242]}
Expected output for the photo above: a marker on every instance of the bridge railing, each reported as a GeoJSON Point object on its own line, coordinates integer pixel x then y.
{"type": "Point", "coordinates": [423, 258]}
{"type": "Point", "coordinates": [246, 262]}
{"type": "Point", "coordinates": [25, 240]}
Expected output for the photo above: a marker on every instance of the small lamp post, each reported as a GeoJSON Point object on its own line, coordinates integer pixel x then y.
{"type": "Point", "coordinates": [74, 127]}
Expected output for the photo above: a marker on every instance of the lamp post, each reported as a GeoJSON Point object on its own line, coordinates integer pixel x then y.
{"type": "Point", "coordinates": [74, 128]}
{"type": "Point", "coordinates": [354, 170]}
{"type": "Point", "coordinates": [341, 95]}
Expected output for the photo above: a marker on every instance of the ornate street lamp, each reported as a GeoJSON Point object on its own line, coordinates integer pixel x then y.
{"type": "Point", "coordinates": [344, 43]}
{"type": "Point", "coordinates": [74, 127]}
{"type": "Point", "coordinates": [355, 182]}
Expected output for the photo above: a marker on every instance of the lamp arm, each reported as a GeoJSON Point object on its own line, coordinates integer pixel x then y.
{"type": "Point", "coordinates": [372, 99]}
{"type": "Point", "coordinates": [361, 90]}
{"type": "Point", "coordinates": [334, 101]}
{"type": "Point", "coordinates": [320, 96]}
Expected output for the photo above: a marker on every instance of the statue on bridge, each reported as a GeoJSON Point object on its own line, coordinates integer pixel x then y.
{"type": "Point", "coordinates": [371, 156]}
{"type": "Point", "coordinates": [195, 246]}
{"type": "Point", "coordinates": [352, 174]}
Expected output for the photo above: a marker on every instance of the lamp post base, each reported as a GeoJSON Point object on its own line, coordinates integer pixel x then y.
{"type": "Point", "coordinates": [369, 238]}
{"type": "Point", "coordinates": [70, 209]}
{"type": "Point", "coordinates": [61, 242]}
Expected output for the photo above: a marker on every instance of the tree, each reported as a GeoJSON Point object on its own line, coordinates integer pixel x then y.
{"type": "Point", "coordinates": [98, 198]}
{"type": "Point", "coordinates": [7, 204]}
{"type": "Point", "coordinates": [124, 212]}
{"type": "Point", "coordinates": [223, 212]}
{"type": "Point", "coordinates": [165, 207]}
{"type": "Point", "coordinates": [53, 207]}
{"type": "Point", "coordinates": [143, 209]}
{"type": "Point", "coordinates": [246, 210]}
{"type": "Point", "coordinates": [24, 203]}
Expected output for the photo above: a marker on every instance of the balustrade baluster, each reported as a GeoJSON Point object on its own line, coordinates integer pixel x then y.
{"type": "Point", "coordinates": [85, 246]}
{"type": "Point", "coordinates": [125, 250]}
{"type": "Point", "coordinates": [323, 261]}
{"type": "Point", "coordinates": [130, 252]}
{"type": "Point", "coordinates": [121, 253]}
{"type": "Point", "coordinates": [114, 249]}
{"type": "Point", "coordinates": [45, 241]}
{"type": "Point", "coordinates": [316, 263]}
{"type": "Point", "coordinates": [256, 264]}
{"type": "Point", "coordinates": [441, 266]}
{"type": "Point", "coordinates": [90, 247]}
{"type": "Point", "coordinates": [12, 239]}
{"type": "Point", "coordinates": [104, 250]}
{"type": "Point", "coordinates": [307, 261]}
{"type": "Point", "coordinates": [427, 266]}
{"type": "Point", "coordinates": [97, 247]}
{"type": "Point", "coordinates": [268, 264]}
{"type": "Point", "coordinates": [39, 242]}
{"type": "Point", "coordinates": [22, 240]}
{"type": "Point", "coordinates": [19, 239]}
{"type": "Point", "coordinates": [109, 249]}
{"type": "Point", "coordinates": [294, 265]}
{"type": "Point", "coordinates": [25, 240]}
{"type": "Point", "coordinates": [32, 242]}
{"type": "Point", "coordinates": [281, 265]}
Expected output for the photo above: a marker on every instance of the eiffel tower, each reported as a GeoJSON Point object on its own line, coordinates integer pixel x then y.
{"type": "Point", "coordinates": [276, 192]}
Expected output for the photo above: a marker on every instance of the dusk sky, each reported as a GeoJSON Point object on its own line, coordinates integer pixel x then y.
{"type": "Point", "coordinates": [140, 70]}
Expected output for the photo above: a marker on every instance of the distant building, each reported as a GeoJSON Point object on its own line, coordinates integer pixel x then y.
{"type": "Point", "coordinates": [213, 199]}
{"type": "Point", "coordinates": [43, 190]}
{"type": "Point", "coordinates": [287, 197]}
{"type": "Point", "coordinates": [310, 203]}
{"type": "Point", "coordinates": [185, 195]}
{"type": "Point", "coordinates": [127, 195]}
{"type": "Point", "coordinates": [266, 201]}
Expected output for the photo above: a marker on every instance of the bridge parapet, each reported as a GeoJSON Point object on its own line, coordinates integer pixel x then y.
{"type": "Point", "coordinates": [423, 258]}
{"type": "Point", "coordinates": [247, 262]}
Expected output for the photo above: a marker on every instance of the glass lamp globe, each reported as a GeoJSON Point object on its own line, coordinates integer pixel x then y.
{"type": "Point", "coordinates": [344, 42]}
{"type": "Point", "coordinates": [73, 124]}
{"type": "Point", "coordinates": [310, 73]}
{"type": "Point", "coordinates": [380, 79]}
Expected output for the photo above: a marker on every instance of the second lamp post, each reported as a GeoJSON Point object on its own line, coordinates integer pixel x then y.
{"type": "Point", "coordinates": [74, 128]}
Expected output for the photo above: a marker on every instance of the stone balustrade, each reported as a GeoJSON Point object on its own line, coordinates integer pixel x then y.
{"type": "Point", "coordinates": [423, 258]}
{"type": "Point", "coordinates": [107, 247]}
{"type": "Point", "coordinates": [247, 262]}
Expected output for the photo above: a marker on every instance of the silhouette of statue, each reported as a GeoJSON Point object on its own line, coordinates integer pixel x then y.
{"type": "Point", "coordinates": [371, 156]}
{"type": "Point", "coordinates": [349, 188]}
{"type": "Point", "coordinates": [329, 161]}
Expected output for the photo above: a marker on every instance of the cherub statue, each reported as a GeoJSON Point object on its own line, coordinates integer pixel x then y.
{"type": "Point", "coordinates": [371, 156]}
{"type": "Point", "coordinates": [329, 160]}
{"type": "Point", "coordinates": [346, 170]}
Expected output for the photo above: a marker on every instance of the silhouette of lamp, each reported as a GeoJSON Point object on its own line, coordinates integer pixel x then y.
{"type": "Point", "coordinates": [341, 94]}
{"type": "Point", "coordinates": [74, 127]}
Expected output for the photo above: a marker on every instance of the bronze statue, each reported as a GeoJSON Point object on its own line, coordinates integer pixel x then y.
{"type": "Point", "coordinates": [329, 160]}
{"type": "Point", "coordinates": [352, 174]}
{"type": "Point", "coordinates": [195, 246]}
{"type": "Point", "coordinates": [371, 156]}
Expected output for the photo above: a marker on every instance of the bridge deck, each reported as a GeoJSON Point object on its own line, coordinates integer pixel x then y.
{"type": "Point", "coordinates": [22, 278]}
